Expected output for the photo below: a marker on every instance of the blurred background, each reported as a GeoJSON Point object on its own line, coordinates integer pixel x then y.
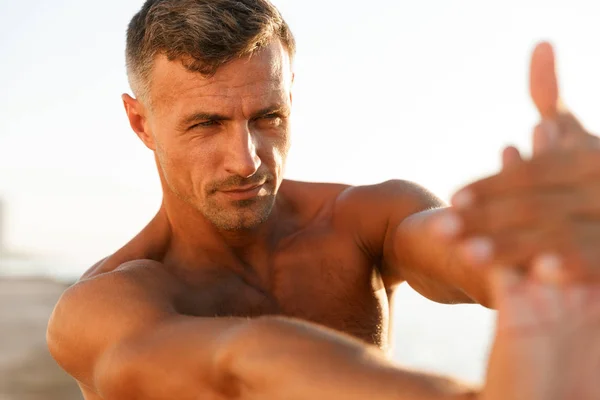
{"type": "Point", "coordinates": [428, 91]}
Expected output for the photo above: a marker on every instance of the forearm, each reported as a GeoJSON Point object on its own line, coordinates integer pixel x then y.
{"type": "Point", "coordinates": [282, 358]}
{"type": "Point", "coordinates": [433, 267]}
{"type": "Point", "coordinates": [268, 359]}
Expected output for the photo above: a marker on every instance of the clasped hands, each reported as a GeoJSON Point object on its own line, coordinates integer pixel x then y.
{"type": "Point", "coordinates": [535, 226]}
{"type": "Point", "coordinates": [539, 216]}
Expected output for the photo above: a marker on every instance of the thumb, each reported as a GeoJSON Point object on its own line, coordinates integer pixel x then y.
{"type": "Point", "coordinates": [543, 83]}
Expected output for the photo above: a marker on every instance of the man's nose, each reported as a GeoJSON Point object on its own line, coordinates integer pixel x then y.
{"type": "Point", "coordinates": [242, 158]}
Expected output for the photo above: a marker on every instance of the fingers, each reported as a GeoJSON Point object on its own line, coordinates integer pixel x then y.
{"type": "Point", "coordinates": [562, 169]}
{"type": "Point", "coordinates": [549, 268]}
{"type": "Point", "coordinates": [555, 249]}
{"type": "Point", "coordinates": [524, 209]}
{"type": "Point", "coordinates": [559, 254]}
{"type": "Point", "coordinates": [524, 306]}
{"type": "Point", "coordinates": [511, 156]}
{"type": "Point", "coordinates": [508, 248]}
{"type": "Point", "coordinates": [543, 84]}
{"type": "Point", "coordinates": [559, 127]}
{"type": "Point", "coordinates": [520, 210]}
{"type": "Point", "coordinates": [505, 282]}
{"type": "Point", "coordinates": [546, 137]}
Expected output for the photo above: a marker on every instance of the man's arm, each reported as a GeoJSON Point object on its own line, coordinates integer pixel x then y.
{"type": "Point", "coordinates": [393, 222]}
{"type": "Point", "coordinates": [435, 266]}
{"type": "Point", "coordinates": [119, 335]}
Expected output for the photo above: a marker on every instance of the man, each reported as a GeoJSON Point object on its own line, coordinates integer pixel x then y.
{"type": "Point", "coordinates": [246, 285]}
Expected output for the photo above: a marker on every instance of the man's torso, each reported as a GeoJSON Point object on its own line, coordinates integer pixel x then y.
{"type": "Point", "coordinates": [315, 273]}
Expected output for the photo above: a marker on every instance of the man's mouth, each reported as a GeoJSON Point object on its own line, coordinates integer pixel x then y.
{"type": "Point", "coordinates": [245, 192]}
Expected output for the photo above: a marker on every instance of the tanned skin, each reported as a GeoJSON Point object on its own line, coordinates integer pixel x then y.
{"type": "Point", "coordinates": [246, 285]}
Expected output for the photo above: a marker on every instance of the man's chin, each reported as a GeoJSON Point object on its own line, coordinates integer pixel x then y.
{"type": "Point", "coordinates": [242, 217]}
{"type": "Point", "coordinates": [236, 215]}
{"type": "Point", "coordinates": [239, 224]}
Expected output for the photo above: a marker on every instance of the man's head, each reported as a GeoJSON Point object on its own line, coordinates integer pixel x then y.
{"type": "Point", "coordinates": [213, 85]}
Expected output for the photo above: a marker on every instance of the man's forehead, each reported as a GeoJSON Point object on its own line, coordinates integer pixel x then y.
{"type": "Point", "coordinates": [264, 73]}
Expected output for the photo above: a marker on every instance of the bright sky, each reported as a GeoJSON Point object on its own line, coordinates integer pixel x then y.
{"type": "Point", "coordinates": [428, 91]}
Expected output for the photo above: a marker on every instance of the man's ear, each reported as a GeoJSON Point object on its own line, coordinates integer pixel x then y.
{"type": "Point", "coordinates": [136, 113]}
{"type": "Point", "coordinates": [292, 88]}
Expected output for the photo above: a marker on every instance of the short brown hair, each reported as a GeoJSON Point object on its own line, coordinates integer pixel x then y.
{"type": "Point", "coordinates": [202, 34]}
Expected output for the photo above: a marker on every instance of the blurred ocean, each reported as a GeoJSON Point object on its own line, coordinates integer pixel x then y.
{"type": "Point", "coordinates": [30, 266]}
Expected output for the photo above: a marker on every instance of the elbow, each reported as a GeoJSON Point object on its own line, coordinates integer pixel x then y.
{"type": "Point", "coordinates": [52, 339]}
{"type": "Point", "coordinates": [252, 353]}
{"type": "Point", "coordinates": [57, 334]}
{"type": "Point", "coordinates": [241, 347]}
{"type": "Point", "coordinates": [271, 346]}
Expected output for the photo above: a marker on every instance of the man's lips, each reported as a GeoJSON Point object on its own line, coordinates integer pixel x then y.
{"type": "Point", "coordinates": [243, 188]}
{"type": "Point", "coordinates": [243, 192]}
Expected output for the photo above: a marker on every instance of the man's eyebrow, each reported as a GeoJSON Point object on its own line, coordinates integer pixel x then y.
{"type": "Point", "coordinates": [203, 116]}
{"type": "Point", "coordinates": [274, 109]}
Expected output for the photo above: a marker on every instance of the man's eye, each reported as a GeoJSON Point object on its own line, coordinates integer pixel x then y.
{"type": "Point", "coordinates": [205, 124]}
{"type": "Point", "coordinates": [276, 116]}
{"type": "Point", "coordinates": [272, 119]}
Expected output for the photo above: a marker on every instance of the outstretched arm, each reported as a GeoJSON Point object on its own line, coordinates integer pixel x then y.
{"type": "Point", "coordinates": [395, 224]}
{"type": "Point", "coordinates": [542, 212]}
{"type": "Point", "coordinates": [119, 335]}
{"type": "Point", "coordinates": [529, 209]}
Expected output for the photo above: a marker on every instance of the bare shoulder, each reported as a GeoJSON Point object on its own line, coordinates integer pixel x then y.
{"type": "Point", "coordinates": [99, 311]}
{"type": "Point", "coordinates": [379, 202]}
{"type": "Point", "coordinates": [313, 191]}
{"type": "Point", "coordinates": [144, 284]}
{"type": "Point", "coordinates": [399, 193]}
{"type": "Point", "coordinates": [366, 212]}
{"type": "Point", "coordinates": [311, 200]}
{"type": "Point", "coordinates": [382, 203]}
{"type": "Point", "coordinates": [371, 212]}
{"type": "Point", "coordinates": [409, 196]}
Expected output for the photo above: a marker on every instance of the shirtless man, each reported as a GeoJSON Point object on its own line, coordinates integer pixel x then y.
{"type": "Point", "coordinates": [246, 285]}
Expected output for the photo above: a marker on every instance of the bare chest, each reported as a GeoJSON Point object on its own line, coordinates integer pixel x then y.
{"type": "Point", "coordinates": [326, 283]}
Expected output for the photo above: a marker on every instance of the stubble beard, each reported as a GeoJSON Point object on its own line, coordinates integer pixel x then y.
{"type": "Point", "coordinates": [240, 215]}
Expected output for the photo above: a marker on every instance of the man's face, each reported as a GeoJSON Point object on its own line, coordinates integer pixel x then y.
{"type": "Point", "coordinates": [221, 142]}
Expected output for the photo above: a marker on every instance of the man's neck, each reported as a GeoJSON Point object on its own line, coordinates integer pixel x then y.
{"type": "Point", "coordinates": [193, 237]}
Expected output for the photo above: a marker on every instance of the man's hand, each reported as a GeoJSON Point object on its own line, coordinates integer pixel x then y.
{"type": "Point", "coordinates": [540, 213]}
{"type": "Point", "coordinates": [547, 344]}
{"type": "Point", "coordinates": [548, 207]}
